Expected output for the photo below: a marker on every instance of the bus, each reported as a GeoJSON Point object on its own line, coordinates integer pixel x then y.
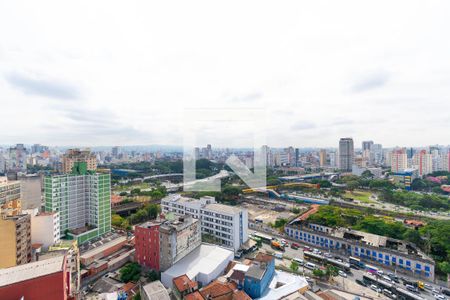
{"type": "Point", "coordinates": [406, 295]}
{"type": "Point", "coordinates": [340, 265]}
{"type": "Point", "coordinates": [314, 257]}
{"type": "Point", "coordinates": [369, 280]}
{"type": "Point", "coordinates": [371, 269]}
{"type": "Point", "coordinates": [354, 261]}
{"type": "Point", "coordinates": [264, 238]}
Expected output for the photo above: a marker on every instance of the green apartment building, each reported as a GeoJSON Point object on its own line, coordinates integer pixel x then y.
{"type": "Point", "coordinates": [83, 200]}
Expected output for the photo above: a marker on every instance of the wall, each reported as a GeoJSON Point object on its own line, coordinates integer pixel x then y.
{"type": "Point", "coordinates": [8, 240]}
{"type": "Point", "coordinates": [147, 246]}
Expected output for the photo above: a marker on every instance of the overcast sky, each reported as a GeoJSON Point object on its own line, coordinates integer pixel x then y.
{"type": "Point", "coordinates": [136, 72]}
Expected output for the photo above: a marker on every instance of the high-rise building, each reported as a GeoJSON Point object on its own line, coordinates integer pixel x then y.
{"type": "Point", "coordinates": [73, 156]}
{"type": "Point", "coordinates": [83, 200]}
{"type": "Point", "coordinates": [346, 153]}
{"type": "Point", "coordinates": [367, 145]}
{"type": "Point", "coordinates": [15, 236]}
{"type": "Point", "coordinates": [424, 162]}
{"type": "Point", "coordinates": [446, 161]}
{"type": "Point", "coordinates": [399, 160]}
{"type": "Point", "coordinates": [377, 153]}
{"type": "Point", "coordinates": [322, 157]}
{"type": "Point", "coordinates": [17, 158]}
{"type": "Point", "coordinates": [115, 152]}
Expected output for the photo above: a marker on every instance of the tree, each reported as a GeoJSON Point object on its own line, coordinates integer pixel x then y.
{"type": "Point", "coordinates": [116, 220]}
{"type": "Point", "coordinates": [367, 174]}
{"type": "Point", "coordinates": [294, 266]}
{"type": "Point", "coordinates": [130, 272]}
{"type": "Point", "coordinates": [352, 185]}
{"type": "Point", "coordinates": [331, 271]}
{"type": "Point", "coordinates": [318, 273]}
{"type": "Point", "coordinates": [153, 275]}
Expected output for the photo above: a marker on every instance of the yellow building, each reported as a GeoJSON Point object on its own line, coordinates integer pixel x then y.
{"type": "Point", "coordinates": [15, 237]}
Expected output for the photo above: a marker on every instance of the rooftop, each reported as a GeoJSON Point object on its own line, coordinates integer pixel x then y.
{"type": "Point", "coordinates": [216, 289]}
{"type": "Point", "coordinates": [156, 291]}
{"type": "Point", "coordinates": [31, 270]}
{"type": "Point", "coordinates": [183, 283]}
{"type": "Point", "coordinates": [284, 284]}
{"type": "Point", "coordinates": [103, 247]}
{"type": "Point", "coordinates": [204, 259]}
{"type": "Point", "coordinates": [221, 208]}
{"type": "Point", "coordinates": [194, 296]}
{"type": "Point", "coordinates": [262, 257]}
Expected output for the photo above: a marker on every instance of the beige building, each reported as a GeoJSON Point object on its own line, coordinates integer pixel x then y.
{"type": "Point", "coordinates": [76, 155]}
{"type": "Point", "coordinates": [177, 239]}
{"type": "Point", "coordinates": [323, 157]}
{"type": "Point", "coordinates": [15, 236]}
{"type": "Point", "coordinates": [9, 197]}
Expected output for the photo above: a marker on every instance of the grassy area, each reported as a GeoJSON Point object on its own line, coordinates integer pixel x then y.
{"type": "Point", "coordinates": [121, 188]}
{"type": "Point", "coordinates": [362, 196]}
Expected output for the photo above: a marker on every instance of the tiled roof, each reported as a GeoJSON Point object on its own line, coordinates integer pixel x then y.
{"type": "Point", "coordinates": [183, 283]}
{"type": "Point", "coordinates": [194, 296]}
{"type": "Point", "coordinates": [216, 289]}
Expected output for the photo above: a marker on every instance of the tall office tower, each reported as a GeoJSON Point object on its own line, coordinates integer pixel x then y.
{"type": "Point", "coordinates": [15, 227]}
{"type": "Point", "coordinates": [297, 156]}
{"type": "Point", "coordinates": [208, 151]}
{"type": "Point", "coordinates": [410, 153]}
{"type": "Point", "coordinates": [83, 200]}
{"type": "Point", "coordinates": [424, 162]}
{"type": "Point", "coordinates": [17, 158]}
{"type": "Point", "coordinates": [446, 161]}
{"type": "Point", "coordinates": [73, 156]}
{"type": "Point", "coordinates": [333, 160]}
{"type": "Point", "coordinates": [322, 157]}
{"type": "Point", "coordinates": [367, 145]}
{"type": "Point", "coordinates": [115, 152]}
{"type": "Point", "coordinates": [346, 153]}
{"type": "Point", "coordinates": [399, 160]}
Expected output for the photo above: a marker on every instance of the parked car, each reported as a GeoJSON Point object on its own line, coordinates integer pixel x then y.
{"type": "Point", "coordinates": [342, 273]}
{"type": "Point", "coordinates": [299, 261]}
{"type": "Point", "coordinates": [375, 288]}
{"type": "Point", "coordinates": [295, 246]}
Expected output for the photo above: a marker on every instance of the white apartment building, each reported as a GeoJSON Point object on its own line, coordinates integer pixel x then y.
{"type": "Point", "coordinates": [399, 160]}
{"type": "Point", "coordinates": [228, 225]}
{"type": "Point", "coordinates": [45, 228]}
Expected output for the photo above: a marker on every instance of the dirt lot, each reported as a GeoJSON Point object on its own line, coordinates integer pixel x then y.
{"type": "Point", "coordinates": [266, 212]}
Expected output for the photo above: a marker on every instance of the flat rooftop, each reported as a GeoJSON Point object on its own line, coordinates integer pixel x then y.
{"type": "Point", "coordinates": [103, 247]}
{"type": "Point", "coordinates": [156, 291]}
{"type": "Point", "coordinates": [204, 259]}
{"type": "Point", "coordinates": [31, 270]}
{"type": "Point", "coordinates": [283, 284]}
{"type": "Point", "coordinates": [221, 208]}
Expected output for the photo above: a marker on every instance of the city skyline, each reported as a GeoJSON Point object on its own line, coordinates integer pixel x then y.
{"type": "Point", "coordinates": [127, 82]}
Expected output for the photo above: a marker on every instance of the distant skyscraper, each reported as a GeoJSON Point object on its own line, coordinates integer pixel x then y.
{"type": "Point", "coordinates": [446, 161]}
{"type": "Point", "coordinates": [377, 153]}
{"type": "Point", "coordinates": [346, 153]}
{"type": "Point", "coordinates": [367, 145]}
{"type": "Point", "coordinates": [115, 152]}
{"type": "Point", "coordinates": [323, 157]}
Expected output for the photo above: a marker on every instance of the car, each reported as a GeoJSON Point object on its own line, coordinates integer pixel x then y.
{"type": "Point", "coordinates": [375, 288]}
{"type": "Point", "coordinates": [380, 272]}
{"type": "Point", "coordinates": [295, 246]}
{"type": "Point", "coordinates": [427, 286]}
{"type": "Point", "coordinates": [328, 255]}
{"type": "Point", "coordinates": [386, 278]}
{"type": "Point", "coordinates": [284, 242]}
{"type": "Point", "coordinates": [306, 248]}
{"type": "Point", "coordinates": [440, 297]}
{"type": "Point", "coordinates": [435, 291]}
{"type": "Point", "coordinates": [411, 288]}
{"type": "Point", "coordinates": [339, 260]}
{"type": "Point", "coordinates": [238, 254]}
{"type": "Point", "coordinates": [342, 273]}
{"type": "Point", "coordinates": [446, 292]}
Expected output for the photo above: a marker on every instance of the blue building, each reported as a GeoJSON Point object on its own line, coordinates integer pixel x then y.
{"type": "Point", "coordinates": [259, 275]}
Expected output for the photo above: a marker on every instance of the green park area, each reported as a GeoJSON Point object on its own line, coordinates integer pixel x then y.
{"type": "Point", "coordinates": [362, 196]}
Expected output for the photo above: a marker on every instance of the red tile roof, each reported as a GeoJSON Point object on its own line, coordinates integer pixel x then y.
{"type": "Point", "coordinates": [217, 289]}
{"type": "Point", "coordinates": [183, 283]}
{"type": "Point", "coordinates": [241, 295]}
{"type": "Point", "coordinates": [262, 257]}
{"type": "Point", "coordinates": [194, 296]}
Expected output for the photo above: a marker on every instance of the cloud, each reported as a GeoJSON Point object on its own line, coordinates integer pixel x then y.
{"type": "Point", "coordinates": [371, 81]}
{"type": "Point", "coordinates": [303, 125]}
{"type": "Point", "coordinates": [43, 87]}
{"type": "Point", "coordinates": [248, 97]}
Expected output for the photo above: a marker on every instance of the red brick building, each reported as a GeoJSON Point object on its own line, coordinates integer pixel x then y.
{"type": "Point", "coordinates": [46, 279]}
{"type": "Point", "coordinates": [147, 245]}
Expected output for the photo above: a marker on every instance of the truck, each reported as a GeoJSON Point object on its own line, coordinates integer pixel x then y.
{"type": "Point", "coordinates": [277, 245]}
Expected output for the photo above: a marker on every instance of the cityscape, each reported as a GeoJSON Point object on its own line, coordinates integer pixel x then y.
{"type": "Point", "coordinates": [234, 150]}
{"type": "Point", "coordinates": [350, 221]}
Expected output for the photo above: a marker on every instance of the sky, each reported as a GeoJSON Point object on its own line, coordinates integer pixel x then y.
{"type": "Point", "coordinates": [300, 73]}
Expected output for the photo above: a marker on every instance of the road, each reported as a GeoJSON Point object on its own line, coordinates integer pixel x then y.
{"type": "Point", "coordinates": [348, 283]}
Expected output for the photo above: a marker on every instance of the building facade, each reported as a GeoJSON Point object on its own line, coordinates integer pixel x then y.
{"type": "Point", "coordinates": [399, 160]}
{"type": "Point", "coordinates": [390, 253]}
{"type": "Point", "coordinates": [178, 238]}
{"type": "Point", "coordinates": [73, 156]}
{"type": "Point", "coordinates": [259, 275]}
{"type": "Point", "coordinates": [146, 237]}
{"type": "Point", "coordinates": [83, 201]}
{"type": "Point", "coordinates": [346, 154]}
{"type": "Point", "coordinates": [45, 228]}
{"type": "Point", "coordinates": [227, 225]}
{"type": "Point", "coordinates": [15, 236]}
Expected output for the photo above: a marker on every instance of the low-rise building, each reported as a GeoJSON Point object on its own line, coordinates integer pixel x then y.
{"type": "Point", "coordinates": [44, 279]}
{"type": "Point", "coordinates": [390, 253]}
{"type": "Point", "coordinates": [259, 275]}
{"type": "Point", "coordinates": [45, 228]}
{"type": "Point", "coordinates": [183, 285]}
{"type": "Point", "coordinates": [227, 225]}
{"type": "Point", "coordinates": [154, 291]}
